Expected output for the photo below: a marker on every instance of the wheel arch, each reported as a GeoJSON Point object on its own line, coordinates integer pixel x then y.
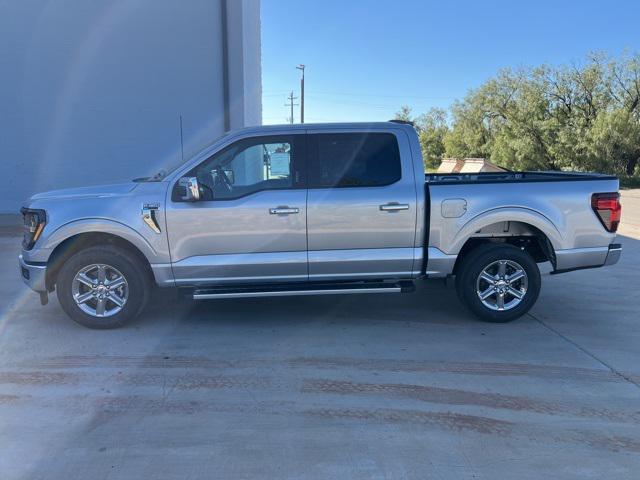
{"type": "Point", "coordinates": [524, 235]}
{"type": "Point", "coordinates": [514, 215]}
{"type": "Point", "coordinates": [81, 241]}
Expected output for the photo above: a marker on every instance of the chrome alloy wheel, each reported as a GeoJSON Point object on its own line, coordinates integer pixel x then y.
{"type": "Point", "coordinates": [100, 290]}
{"type": "Point", "coordinates": [502, 285]}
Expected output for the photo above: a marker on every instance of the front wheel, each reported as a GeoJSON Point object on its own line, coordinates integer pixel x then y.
{"type": "Point", "coordinates": [498, 282]}
{"type": "Point", "coordinates": [102, 287]}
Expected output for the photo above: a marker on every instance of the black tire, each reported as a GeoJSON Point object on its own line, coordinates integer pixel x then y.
{"type": "Point", "coordinates": [138, 285]}
{"type": "Point", "coordinates": [484, 256]}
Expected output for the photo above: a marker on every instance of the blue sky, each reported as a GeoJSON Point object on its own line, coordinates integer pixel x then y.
{"type": "Point", "coordinates": [367, 58]}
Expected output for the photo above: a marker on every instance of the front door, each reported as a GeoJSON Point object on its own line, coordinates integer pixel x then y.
{"type": "Point", "coordinates": [361, 206]}
{"type": "Point", "coordinates": [250, 224]}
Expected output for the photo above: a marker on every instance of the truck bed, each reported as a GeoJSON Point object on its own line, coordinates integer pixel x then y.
{"type": "Point", "coordinates": [553, 206]}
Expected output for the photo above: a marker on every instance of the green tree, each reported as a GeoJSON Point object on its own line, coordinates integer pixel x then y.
{"type": "Point", "coordinates": [433, 128]}
{"type": "Point", "coordinates": [404, 114]}
{"type": "Point", "coordinates": [470, 135]}
{"type": "Point", "coordinates": [579, 117]}
{"type": "Point", "coordinates": [613, 142]}
{"type": "Point", "coordinates": [553, 117]}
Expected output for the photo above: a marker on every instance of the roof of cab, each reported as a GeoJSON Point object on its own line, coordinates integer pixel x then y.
{"type": "Point", "coordinates": [323, 126]}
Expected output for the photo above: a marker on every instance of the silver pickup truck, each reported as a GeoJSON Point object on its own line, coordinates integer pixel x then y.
{"type": "Point", "coordinates": [314, 210]}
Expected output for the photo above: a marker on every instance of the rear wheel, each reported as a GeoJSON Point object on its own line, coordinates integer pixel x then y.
{"type": "Point", "coordinates": [103, 287]}
{"type": "Point", "coordinates": [498, 282]}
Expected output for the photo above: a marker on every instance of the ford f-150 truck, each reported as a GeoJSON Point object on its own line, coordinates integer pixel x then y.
{"type": "Point", "coordinates": [314, 210]}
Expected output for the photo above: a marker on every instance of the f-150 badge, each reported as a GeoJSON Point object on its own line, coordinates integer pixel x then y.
{"type": "Point", "coordinates": [149, 216]}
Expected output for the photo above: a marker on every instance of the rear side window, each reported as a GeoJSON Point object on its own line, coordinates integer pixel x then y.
{"type": "Point", "coordinates": [353, 160]}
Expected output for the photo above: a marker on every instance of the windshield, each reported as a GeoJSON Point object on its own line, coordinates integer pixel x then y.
{"type": "Point", "coordinates": [159, 174]}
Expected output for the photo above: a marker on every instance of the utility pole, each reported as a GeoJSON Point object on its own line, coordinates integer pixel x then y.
{"type": "Point", "coordinates": [291, 104]}
{"type": "Point", "coordinates": [301, 67]}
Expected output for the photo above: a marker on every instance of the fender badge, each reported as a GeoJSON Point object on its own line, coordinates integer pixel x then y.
{"type": "Point", "coordinates": [149, 216]}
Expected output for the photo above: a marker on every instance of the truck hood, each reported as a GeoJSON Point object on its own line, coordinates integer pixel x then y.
{"type": "Point", "coordinates": [87, 192]}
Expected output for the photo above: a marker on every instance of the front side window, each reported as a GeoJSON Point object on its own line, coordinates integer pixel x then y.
{"type": "Point", "coordinates": [354, 160]}
{"type": "Point", "coordinates": [247, 167]}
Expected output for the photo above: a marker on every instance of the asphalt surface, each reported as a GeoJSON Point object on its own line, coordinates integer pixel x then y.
{"type": "Point", "coordinates": [387, 386]}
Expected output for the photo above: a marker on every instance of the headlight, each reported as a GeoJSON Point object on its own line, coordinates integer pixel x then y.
{"type": "Point", "coordinates": [34, 222]}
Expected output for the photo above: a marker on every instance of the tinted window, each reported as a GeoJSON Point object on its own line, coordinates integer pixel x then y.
{"type": "Point", "coordinates": [354, 160]}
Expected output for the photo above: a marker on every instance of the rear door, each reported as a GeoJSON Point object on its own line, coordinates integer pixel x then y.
{"type": "Point", "coordinates": [361, 205]}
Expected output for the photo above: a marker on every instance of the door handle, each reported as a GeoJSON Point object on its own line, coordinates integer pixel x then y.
{"type": "Point", "coordinates": [394, 207]}
{"type": "Point", "coordinates": [283, 210]}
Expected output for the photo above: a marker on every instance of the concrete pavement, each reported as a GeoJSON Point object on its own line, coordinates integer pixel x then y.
{"type": "Point", "coordinates": [406, 386]}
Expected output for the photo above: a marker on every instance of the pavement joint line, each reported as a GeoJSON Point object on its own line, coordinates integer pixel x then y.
{"type": "Point", "coordinates": [585, 351]}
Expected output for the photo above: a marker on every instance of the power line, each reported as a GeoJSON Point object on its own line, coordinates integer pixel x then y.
{"type": "Point", "coordinates": [381, 95]}
{"type": "Point", "coordinates": [291, 98]}
{"type": "Point", "coordinates": [374, 105]}
{"type": "Point", "coordinates": [384, 95]}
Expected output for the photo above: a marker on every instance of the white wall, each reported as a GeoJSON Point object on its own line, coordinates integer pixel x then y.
{"type": "Point", "coordinates": [246, 76]}
{"type": "Point", "coordinates": [91, 92]}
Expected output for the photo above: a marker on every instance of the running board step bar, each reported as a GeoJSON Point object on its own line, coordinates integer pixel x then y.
{"type": "Point", "coordinates": [304, 289]}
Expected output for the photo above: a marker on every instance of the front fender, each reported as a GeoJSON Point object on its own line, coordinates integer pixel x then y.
{"type": "Point", "coordinates": [508, 214]}
{"type": "Point", "coordinates": [96, 225]}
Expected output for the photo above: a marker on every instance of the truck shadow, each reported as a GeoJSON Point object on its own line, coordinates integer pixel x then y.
{"type": "Point", "coordinates": [431, 303]}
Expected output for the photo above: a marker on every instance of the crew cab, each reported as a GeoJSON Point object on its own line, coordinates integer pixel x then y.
{"type": "Point", "coordinates": [315, 210]}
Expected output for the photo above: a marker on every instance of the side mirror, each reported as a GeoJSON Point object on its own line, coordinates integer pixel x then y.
{"type": "Point", "coordinates": [191, 189]}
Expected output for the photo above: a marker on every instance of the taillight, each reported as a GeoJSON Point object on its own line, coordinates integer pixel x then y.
{"type": "Point", "coordinates": [608, 209]}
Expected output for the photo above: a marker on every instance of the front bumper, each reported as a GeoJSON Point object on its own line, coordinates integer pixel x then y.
{"type": "Point", "coordinates": [33, 275]}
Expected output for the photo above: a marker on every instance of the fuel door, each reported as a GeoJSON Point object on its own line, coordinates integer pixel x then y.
{"type": "Point", "coordinates": [453, 207]}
